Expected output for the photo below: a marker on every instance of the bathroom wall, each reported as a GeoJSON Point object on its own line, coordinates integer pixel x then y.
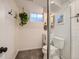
{"type": "Point", "coordinates": [14, 36]}
{"type": "Point", "coordinates": [7, 28]}
{"type": "Point", "coordinates": [63, 30]}
{"type": "Point", "coordinates": [75, 30]}
{"type": "Point", "coordinates": [30, 35]}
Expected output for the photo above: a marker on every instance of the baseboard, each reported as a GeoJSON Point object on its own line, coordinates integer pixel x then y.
{"type": "Point", "coordinates": [28, 49]}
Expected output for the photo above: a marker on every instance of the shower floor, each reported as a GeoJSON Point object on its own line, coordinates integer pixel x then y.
{"type": "Point", "coordinates": [30, 54]}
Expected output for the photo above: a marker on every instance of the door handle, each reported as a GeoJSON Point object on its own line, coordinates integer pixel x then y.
{"type": "Point", "coordinates": [3, 49]}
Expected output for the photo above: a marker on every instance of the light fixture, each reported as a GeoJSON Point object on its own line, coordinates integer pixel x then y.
{"type": "Point", "coordinates": [52, 2]}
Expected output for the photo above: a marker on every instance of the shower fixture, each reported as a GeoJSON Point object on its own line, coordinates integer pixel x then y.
{"type": "Point", "coordinates": [76, 16]}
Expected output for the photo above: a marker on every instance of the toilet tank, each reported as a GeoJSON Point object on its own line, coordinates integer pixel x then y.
{"type": "Point", "coordinates": [58, 42]}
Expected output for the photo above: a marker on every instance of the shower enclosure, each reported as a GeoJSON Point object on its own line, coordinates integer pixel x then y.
{"type": "Point", "coordinates": [59, 25]}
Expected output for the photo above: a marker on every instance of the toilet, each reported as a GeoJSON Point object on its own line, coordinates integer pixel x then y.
{"type": "Point", "coordinates": [54, 50]}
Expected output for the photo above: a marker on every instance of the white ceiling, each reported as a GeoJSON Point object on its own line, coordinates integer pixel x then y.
{"type": "Point", "coordinates": [54, 7]}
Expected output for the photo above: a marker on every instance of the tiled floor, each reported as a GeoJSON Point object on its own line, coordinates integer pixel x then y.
{"type": "Point", "coordinates": [30, 54]}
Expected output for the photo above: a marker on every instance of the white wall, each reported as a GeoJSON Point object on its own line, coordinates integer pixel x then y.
{"type": "Point", "coordinates": [29, 6]}
{"type": "Point", "coordinates": [30, 36]}
{"type": "Point", "coordinates": [7, 28]}
{"type": "Point", "coordinates": [14, 36]}
{"type": "Point", "coordinates": [63, 30]}
{"type": "Point", "coordinates": [75, 30]}
{"type": "Point", "coordinates": [67, 47]}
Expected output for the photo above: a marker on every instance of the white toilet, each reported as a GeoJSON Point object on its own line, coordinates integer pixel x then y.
{"type": "Point", "coordinates": [54, 50]}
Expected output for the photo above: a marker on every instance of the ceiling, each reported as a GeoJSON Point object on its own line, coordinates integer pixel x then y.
{"type": "Point", "coordinates": [54, 7]}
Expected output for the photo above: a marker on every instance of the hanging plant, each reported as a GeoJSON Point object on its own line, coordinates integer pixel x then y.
{"type": "Point", "coordinates": [24, 18]}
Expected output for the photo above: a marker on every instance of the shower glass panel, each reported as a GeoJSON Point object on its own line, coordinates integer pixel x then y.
{"type": "Point", "coordinates": [59, 44]}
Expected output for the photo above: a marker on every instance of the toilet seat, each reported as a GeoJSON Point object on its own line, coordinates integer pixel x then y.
{"type": "Point", "coordinates": [52, 49]}
{"type": "Point", "coordinates": [53, 52]}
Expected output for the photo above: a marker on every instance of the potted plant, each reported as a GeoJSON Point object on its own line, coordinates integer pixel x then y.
{"type": "Point", "coordinates": [24, 18]}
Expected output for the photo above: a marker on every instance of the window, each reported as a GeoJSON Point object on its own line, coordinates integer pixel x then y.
{"type": "Point", "coordinates": [34, 17]}
{"type": "Point", "coordinates": [59, 19]}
